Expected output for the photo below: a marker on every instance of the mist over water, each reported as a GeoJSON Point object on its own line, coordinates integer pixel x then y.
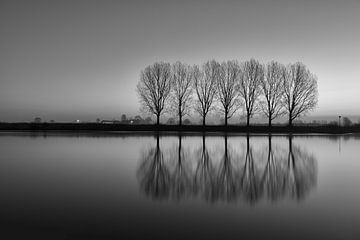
{"type": "Point", "coordinates": [93, 186]}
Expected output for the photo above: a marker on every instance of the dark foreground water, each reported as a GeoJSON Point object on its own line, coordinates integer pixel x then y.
{"type": "Point", "coordinates": [115, 186]}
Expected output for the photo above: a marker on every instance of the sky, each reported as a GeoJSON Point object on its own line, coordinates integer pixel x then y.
{"type": "Point", "coordinates": [81, 59]}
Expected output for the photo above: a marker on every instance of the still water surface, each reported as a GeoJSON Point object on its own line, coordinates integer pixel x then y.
{"type": "Point", "coordinates": [91, 186]}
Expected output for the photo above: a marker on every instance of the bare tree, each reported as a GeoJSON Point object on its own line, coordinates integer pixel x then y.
{"type": "Point", "coordinates": [300, 90]}
{"type": "Point", "coordinates": [226, 87]}
{"type": "Point", "coordinates": [252, 73]}
{"type": "Point", "coordinates": [205, 86]}
{"type": "Point", "coordinates": [272, 91]}
{"type": "Point", "coordinates": [154, 88]}
{"type": "Point", "coordinates": [181, 89]}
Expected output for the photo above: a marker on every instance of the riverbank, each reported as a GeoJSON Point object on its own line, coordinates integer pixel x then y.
{"type": "Point", "coordinates": [324, 129]}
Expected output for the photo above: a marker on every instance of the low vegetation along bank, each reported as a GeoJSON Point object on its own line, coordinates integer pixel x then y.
{"type": "Point", "coordinates": [329, 129]}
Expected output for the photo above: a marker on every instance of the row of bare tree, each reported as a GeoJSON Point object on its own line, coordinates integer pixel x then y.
{"type": "Point", "coordinates": [273, 89]}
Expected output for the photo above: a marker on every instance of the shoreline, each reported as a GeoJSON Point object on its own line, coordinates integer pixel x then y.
{"type": "Point", "coordinates": [132, 129]}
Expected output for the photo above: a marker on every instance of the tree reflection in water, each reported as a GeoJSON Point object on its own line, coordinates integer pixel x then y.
{"type": "Point", "coordinates": [249, 179]}
{"type": "Point", "coordinates": [226, 177]}
{"type": "Point", "coordinates": [287, 173]}
{"type": "Point", "coordinates": [155, 175]}
{"type": "Point", "coordinates": [204, 177]}
{"type": "Point", "coordinates": [301, 172]}
{"type": "Point", "coordinates": [181, 179]}
{"type": "Point", "coordinates": [272, 180]}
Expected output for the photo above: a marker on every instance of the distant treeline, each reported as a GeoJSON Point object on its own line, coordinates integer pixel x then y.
{"type": "Point", "coordinates": [272, 89]}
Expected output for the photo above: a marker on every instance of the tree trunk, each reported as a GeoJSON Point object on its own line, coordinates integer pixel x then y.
{"type": "Point", "coordinates": [248, 120]}
{"type": "Point", "coordinates": [204, 120]}
{"type": "Point", "coordinates": [158, 119]}
{"type": "Point", "coordinates": [270, 121]}
{"type": "Point", "coordinates": [226, 118]}
{"type": "Point", "coordinates": [290, 120]}
{"type": "Point", "coordinates": [180, 116]}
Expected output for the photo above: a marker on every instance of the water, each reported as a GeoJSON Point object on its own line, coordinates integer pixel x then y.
{"type": "Point", "coordinates": [93, 186]}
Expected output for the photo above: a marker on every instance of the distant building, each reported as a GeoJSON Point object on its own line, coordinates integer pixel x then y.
{"type": "Point", "coordinates": [37, 120]}
{"type": "Point", "coordinates": [110, 122]}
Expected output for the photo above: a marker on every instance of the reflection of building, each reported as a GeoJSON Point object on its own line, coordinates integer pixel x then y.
{"type": "Point", "coordinates": [248, 175]}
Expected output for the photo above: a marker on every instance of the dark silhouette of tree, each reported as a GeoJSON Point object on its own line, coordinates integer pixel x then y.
{"type": "Point", "coordinates": [272, 91]}
{"type": "Point", "coordinates": [252, 73]}
{"type": "Point", "coordinates": [154, 174]}
{"type": "Point", "coordinates": [226, 87]}
{"type": "Point", "coordinates": [154, 88]}
{"type": "Point", "coordinates": [181, 89]}
{"type": "Point", "coordinates": [205, 86]}
{"type": "Point", "coordinates": [300, 90]}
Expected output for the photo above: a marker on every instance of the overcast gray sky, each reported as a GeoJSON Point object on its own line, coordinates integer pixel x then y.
{"type": "Point", "coordinates": [74, 59]}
